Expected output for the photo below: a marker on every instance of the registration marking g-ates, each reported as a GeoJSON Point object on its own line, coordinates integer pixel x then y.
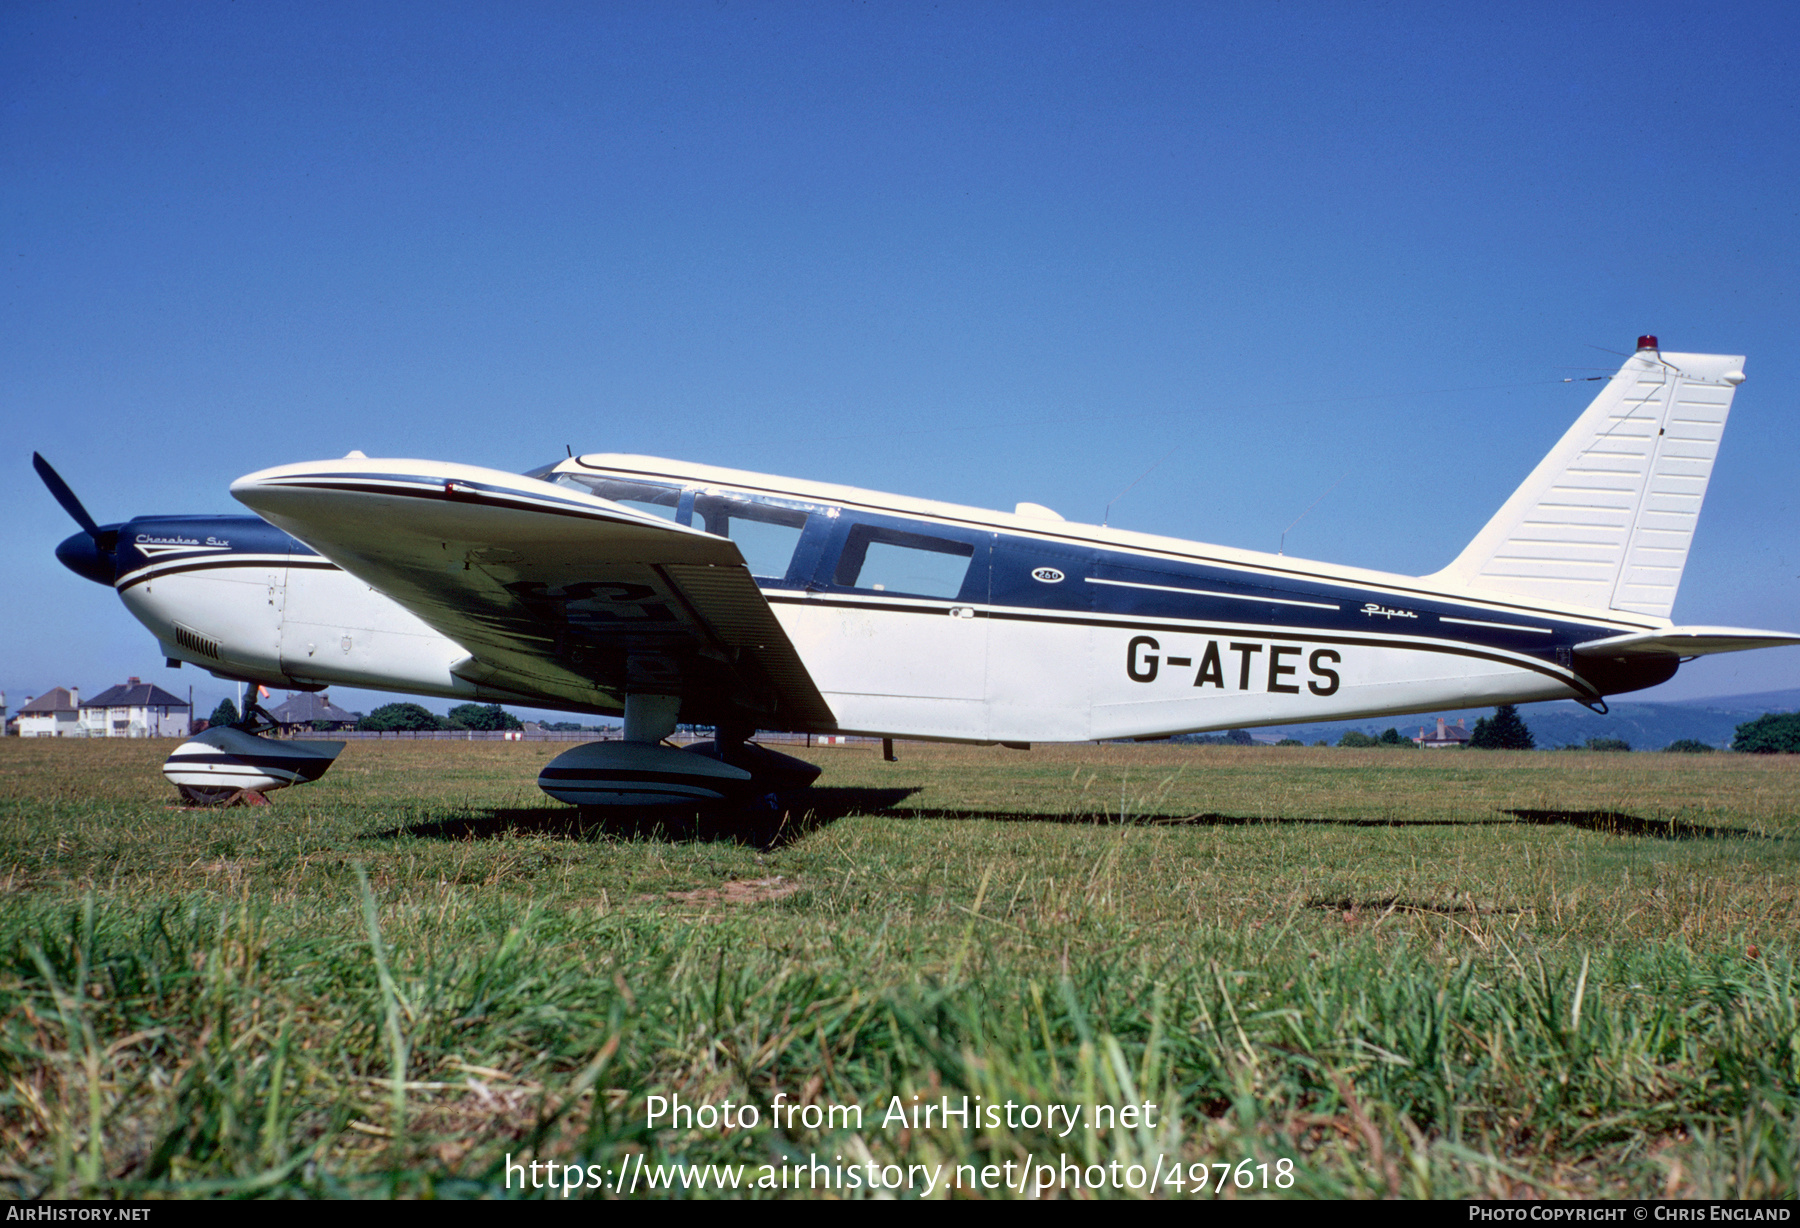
{"type": "Point", "coordinates": [1144, 662]}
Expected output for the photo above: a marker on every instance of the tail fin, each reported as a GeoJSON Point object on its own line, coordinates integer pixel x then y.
{"type": "Point", "coordinates": [1605, 520]}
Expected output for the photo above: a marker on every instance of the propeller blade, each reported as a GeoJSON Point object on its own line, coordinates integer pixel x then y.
{"type": "Point", "coordinates": [59, 489]}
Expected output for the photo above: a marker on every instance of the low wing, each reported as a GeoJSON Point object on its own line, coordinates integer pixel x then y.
{"type": "Point", "coordinates": [1684, 642]}
{"type": "Point", "coordinates": [552, 591]}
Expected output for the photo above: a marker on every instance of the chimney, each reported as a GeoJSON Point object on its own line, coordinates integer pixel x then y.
{"type": "Point", "coordinates": [1440, 729]}
{"type": "Point", "coordinates": [131, 682]}
{"type": "Point", "coordinates": [75, 697]}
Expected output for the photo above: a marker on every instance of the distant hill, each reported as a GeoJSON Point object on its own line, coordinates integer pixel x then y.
{"type": "Point", "coordinates": [1762, 701]}
{"type": "Point", "coordinates": [1567, 723]}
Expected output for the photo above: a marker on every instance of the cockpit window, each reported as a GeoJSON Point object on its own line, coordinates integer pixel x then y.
{"type": "Point", "coordinates": [657, 500]}
{"type": "Point", "coordinates": [766, 536]}
{"type": "Point", "coordinates": [887, 560]}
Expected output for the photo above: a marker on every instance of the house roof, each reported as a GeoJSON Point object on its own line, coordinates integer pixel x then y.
{"type": "Point", "coordinates": [56, 699]}
{"type": "Point", "coordinates": [304, 707]}
{"type": "Point", "coordinates": [135, 694]}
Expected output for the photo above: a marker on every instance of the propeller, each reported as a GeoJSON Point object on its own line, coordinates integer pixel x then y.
{"type": "Point", "coordinates": [59, 490]}
{"type": "Point", "coordinates": [91, 559]}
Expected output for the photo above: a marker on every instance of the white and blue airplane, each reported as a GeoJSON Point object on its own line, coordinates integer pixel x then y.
{"type": "Point", "coordinates": [666, 591]}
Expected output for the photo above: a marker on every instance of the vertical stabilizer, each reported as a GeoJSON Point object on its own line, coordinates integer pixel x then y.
{"type": "Point", "coordinates": [1606, 519]}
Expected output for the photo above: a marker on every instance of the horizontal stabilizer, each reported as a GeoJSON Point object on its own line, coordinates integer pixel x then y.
{"type": "Point", "coordinates": [1684, 642]}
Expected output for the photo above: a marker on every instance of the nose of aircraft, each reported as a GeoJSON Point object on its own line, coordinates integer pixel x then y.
{"type": "Point", "coordinates": [81, 554]}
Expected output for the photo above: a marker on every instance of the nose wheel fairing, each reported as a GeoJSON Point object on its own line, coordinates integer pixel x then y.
{"type": "Point", "coordinates": [218, 763]}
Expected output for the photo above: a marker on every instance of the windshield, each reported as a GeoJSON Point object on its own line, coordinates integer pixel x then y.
{"type": "Point", "coordinates": [649, 497]}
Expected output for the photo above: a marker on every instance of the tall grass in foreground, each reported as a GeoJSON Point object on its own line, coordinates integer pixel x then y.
{"type": "Point", "coordinates": [362, 992]}
{"type": "Point", "coordinates": [189, 1051]}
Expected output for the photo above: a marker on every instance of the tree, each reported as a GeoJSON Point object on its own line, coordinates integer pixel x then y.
{"type": "Point", "coordinates": [1769, 734]}
{"type": "Point", "coordinates": [390, 717]}
{"type": "Point", "coordinates": [1502, 731]}
{"type": "Point", "coordinates": [1356, 739]}
{"type": "Point", "coordinates": [1393, 737]}
{"type": "Point", "coordinates": [1688, 746]}
{"type": "Point", "coordinates": [1607, 744]}
{"type": "Point", "coordinates": [225, 714]}
{"type": "Point", "coordinates": [474, 716]}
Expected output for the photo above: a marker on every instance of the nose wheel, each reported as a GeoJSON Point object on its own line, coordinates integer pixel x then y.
{"type": "Point", "coordinates": [219, 797]}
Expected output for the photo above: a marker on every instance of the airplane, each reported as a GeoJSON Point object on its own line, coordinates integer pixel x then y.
{"type": "Point", "coordinates": [664, 592]}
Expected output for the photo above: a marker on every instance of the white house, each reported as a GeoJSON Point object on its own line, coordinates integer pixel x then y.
{"type": "Point", "coordinates": [305, 712]}
{"type": "Point", "coordinates": [135, 710]}
{"type": "Point", "coordinates": [54, 714]}
{"type": "Point", "coordinates": [1447, 735]}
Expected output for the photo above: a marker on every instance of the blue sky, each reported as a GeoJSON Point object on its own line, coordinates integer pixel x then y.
{"type": "Point", "coordinates": [983, 253]}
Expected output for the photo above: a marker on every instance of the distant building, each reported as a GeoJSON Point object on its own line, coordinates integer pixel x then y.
{"type": "Point", "coordinates": [54, 714]}
{"type": "Point", "coordinates": [135, 709]}
{"type": "Point", "coordinates": [302, 712]}
{"type": "Point", "coordinates": [1445, 735]}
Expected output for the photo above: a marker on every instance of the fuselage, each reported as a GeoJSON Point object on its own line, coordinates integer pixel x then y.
{"type": "Point", "coordinates": [239, 597]}
{"type": "Point", "coordinates": [923, 619]}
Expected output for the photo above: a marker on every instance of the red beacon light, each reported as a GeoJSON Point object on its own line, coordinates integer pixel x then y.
{"type": "Point", "coordinates": [1647, 343]}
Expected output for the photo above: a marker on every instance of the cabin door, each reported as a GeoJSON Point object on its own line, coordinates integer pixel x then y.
{"type": "Point", "coordinates": [894, 628]}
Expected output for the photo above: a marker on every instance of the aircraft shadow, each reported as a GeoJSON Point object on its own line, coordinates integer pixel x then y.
{"type": "Point", "coordinates": [1390, 904]}
{"type": "Point", "coordinates": [1616, 823]}
{"type": "Point", "coordinates": [1607, 822]}
{"type": "Point", "coordinates": [820, 807]}
{"type": "Point", "coordinates": [763, 829]}
{"type": "Point", "coordinates": [1184, 820]}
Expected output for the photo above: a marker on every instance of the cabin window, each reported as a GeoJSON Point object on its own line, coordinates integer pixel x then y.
{"type": "Point", "coordinates": [766, 536]}
{"type": "Point", "coordinates": [886, 560]}
{"type": "Point", "coordinates": [647, 497]}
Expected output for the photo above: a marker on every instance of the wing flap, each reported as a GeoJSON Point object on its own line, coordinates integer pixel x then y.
{"type": "Point", "coordinates": [734, 608]}
{"type": "Point", "coordinates": [552, 590]}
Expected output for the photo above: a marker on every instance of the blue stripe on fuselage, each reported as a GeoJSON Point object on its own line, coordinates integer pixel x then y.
{"type": "Point", "coordinates": [1095, 580]}
{"type": "Point", "coordinates": [1118, 583]}
{"type": "Point", "coordinates": [238, 534]}
{"type": "Point", "coordinates": [176, 543]}
{"type": "Point", "coordinates": [1126, 585]}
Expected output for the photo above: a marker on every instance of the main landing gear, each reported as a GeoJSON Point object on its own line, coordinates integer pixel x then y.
{"type": "Point", "coordinates": [642, 772]}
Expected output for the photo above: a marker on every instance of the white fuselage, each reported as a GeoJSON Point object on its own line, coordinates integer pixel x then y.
{"type": "Point", "coordinates": [1198, 640]}
{"type": "Point", "coordinates": [718, 596]}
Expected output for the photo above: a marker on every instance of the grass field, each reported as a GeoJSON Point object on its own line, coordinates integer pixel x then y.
{"type": "Point", "coordinates": [1358, 970]}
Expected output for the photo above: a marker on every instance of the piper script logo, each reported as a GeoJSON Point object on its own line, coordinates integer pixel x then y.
{"type": "Point", "coordinates": [1381, 611]}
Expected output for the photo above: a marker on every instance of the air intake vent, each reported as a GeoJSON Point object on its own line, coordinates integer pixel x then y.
{"type": "Point", "coordinates": [193, 641]}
